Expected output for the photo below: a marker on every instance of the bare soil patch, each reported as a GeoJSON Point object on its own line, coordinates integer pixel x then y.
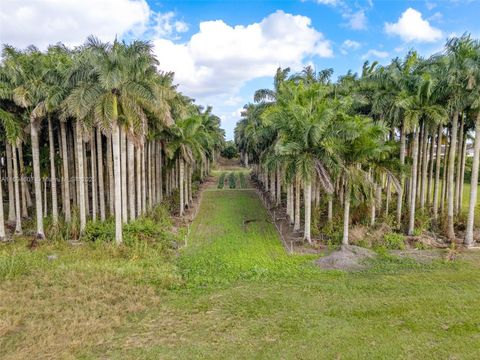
{"type": "Point", "coordinates": [349, 257]}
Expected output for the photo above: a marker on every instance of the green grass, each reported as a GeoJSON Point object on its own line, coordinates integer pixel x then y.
{"type": "Point", "coordinates": [232, 293]}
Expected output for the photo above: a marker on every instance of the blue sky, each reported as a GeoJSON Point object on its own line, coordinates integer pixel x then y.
{"type": "Point", "coordinates": [222, 51]}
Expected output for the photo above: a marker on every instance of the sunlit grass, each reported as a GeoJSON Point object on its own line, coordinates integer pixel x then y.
{"type": "Point", "coordinates": [232, 293]}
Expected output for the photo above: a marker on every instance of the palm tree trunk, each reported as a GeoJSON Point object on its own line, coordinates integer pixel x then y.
{"type": "Point", "coordinates": [446, 155]}
{"type": "Point", "coordinates": [296, 226]}
{"type": "Point", "coordinates": [330, 209]}
{"type": "Point", "coordinates": [149, 173]}
{"type": "Point", "coordinates": [373, 207]}
{"type": "Point", "coordinates": [190, 193]}
{"type": "Point", "coordinates": [144, 179]}
{"type": "Point", "coordinates": [462, 172]}
{"type": "Point", "coordinates": [378, 198]}
{"type": "Point", "coordinates": [388, 196]}
{"type": "Point", "coordinates": [93, 167]}
{"type": "Point", "coordinates": [2, 216]}
{"type": "Point", "coordinates": [423, 191]}
{"type": "Point", "coordinates": [73, 164]}
{"type": "Point", "coordinates": [436, 183]}
{"type": "Point", "coordinates": [456, 204]}
{"type": "Point", "coordinates": [123, 161]}
{"type": "Point", "coordinates": [450, 179]}
{"type": "Point", "coordinates": [473, 185]}
{"type": "Point", "coordinates": [23, 184]}
{"type": "Point", "coordinates": [420, 162]}
{"type": "Point", "coordinates": [85, 179]}
{"type": "Point", "coordinates": [138, 173]}
{"type": "Point", "coordinates": [182, 201]}
{"type": "Point", "coordinates": [279, 187]}
{"type": "Point", "coordinates": [37, 179]}
{"type": "Point", "coordinates": [16, 180]}
{"type": "Point", "coordinates": [308, 211]}
{"type": "Point", "coordinates": [411, 223]}
{"type": "Point", "coordinates": [111, 180]}
{"type": "Point", "coordinates": [80, 176]}
{"type": "Point", "coordinates": [430, 170]}
{"type": "Point", "coordinates": [402, 176]}
{"type": "Point", "coordinates": [289, 215]}
{"type": "Point", "coordinates": [160, 172]}
{"type": "Point", "coordinates": [101, 184]}
{"type": "Point", "coordinates": [45, 199]}
{"type": "Point", "coordinates": [66, 177]}
{"type": "Point", "coordinates": [346, 215]}
{"type": "Point", "coordinates": [131, 178]}
{"type": "Point", "coordinates": [53, 175]}
{"type": "Point", "coordinates": [272, 187]}
{"type": "Point", "coordinates": [11, 191]}
{"type": "Point", "coordinates": [117, 176]}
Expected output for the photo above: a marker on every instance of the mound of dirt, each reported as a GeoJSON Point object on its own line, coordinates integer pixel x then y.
{"type": "Point", "coordinates": [349, 257]}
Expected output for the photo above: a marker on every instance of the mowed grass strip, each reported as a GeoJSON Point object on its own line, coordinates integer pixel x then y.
{"type": "Point", "coordinates": [233, 293]}
{"type": "Point", "coordinates": [233, 238]}
{"type": "Point", "coordinates": [245, 298]}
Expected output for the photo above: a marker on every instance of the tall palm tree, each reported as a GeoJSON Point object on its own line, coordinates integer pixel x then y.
{"type": "Point", "coordinates": [26, 73]}
{"type": "Point", "coordinates": [113, 87]}
{"type": "Point", "coordinates": [459, 52]}
{"type": "Point", "coordinates": [186, 146]}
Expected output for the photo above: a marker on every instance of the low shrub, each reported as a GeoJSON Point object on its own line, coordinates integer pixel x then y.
{"type": "Point", "coordinates": [232, 180]}
{"type": "Point", "coordinates": [154, 229]}
{"type": "Point", "coordinates": [221, 180]}
{"type": "Point", "coordinates": [394, 241]}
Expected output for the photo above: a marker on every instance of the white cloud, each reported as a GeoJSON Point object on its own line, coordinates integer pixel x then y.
{"type": "Point", "coordinates": [438, 17]}
{"type": "Point", "coordinates": [412, 27]}
{"type": "Point", "coordinates": [349, 45]}
{"type": "Point", "coordinates": [43, 22]}
{"type": "Point", "coordinates": [220, 58]}
{"type": "Point", "coordinates": [375, 53]}
{"type": "Point", "coordinates": [165, 25]}
{"type": "Point", "coordinates": [356, 20]}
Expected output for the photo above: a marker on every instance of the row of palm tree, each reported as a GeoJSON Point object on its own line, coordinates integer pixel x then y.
{"type": "Point", "coordinates": [398, 131]}
{"type": "Point", "coordinates": [104, 127]}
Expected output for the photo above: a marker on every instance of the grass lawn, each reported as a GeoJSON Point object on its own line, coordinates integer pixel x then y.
{"type": "Point", "coordinates": [231, 293]}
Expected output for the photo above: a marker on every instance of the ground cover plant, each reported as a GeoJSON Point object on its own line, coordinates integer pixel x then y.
{"type": "Point", "coordinates": [232, 180]}
{"type": "Point", "coordinates": [221, 180]}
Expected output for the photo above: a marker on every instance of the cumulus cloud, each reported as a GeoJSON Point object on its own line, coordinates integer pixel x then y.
{"type": "Point", "coordinates": [356, 20]}
{"type": "Point", "coordinates": [375, 54]}
{"type": "Point", "coordinates": [220, 58]}
{"type": "Point", "coordinates": [43, 22]}
{"type": "Point", "coordinates": [349, 45]}
{"type": "Point", "coordinates": [165, 25]}
{"type": "Point", "coordinates": [412, 27]}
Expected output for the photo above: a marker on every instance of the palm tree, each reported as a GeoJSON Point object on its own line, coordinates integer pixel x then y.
{"type": "Point", "coordinates": [112, 85]}
{"type": "Point", "coordinates": [303, 119]}
{"type": "Point", "coordinates": [25, 71]}
{"type": "Point", "coordinates": [473, 76]}
{"type": "Point", "coordinates": [364, 150]}
{"type": "Point", "coordinates": [459, 53]}
{"type": "Point", "coordinates": [188, 135]}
